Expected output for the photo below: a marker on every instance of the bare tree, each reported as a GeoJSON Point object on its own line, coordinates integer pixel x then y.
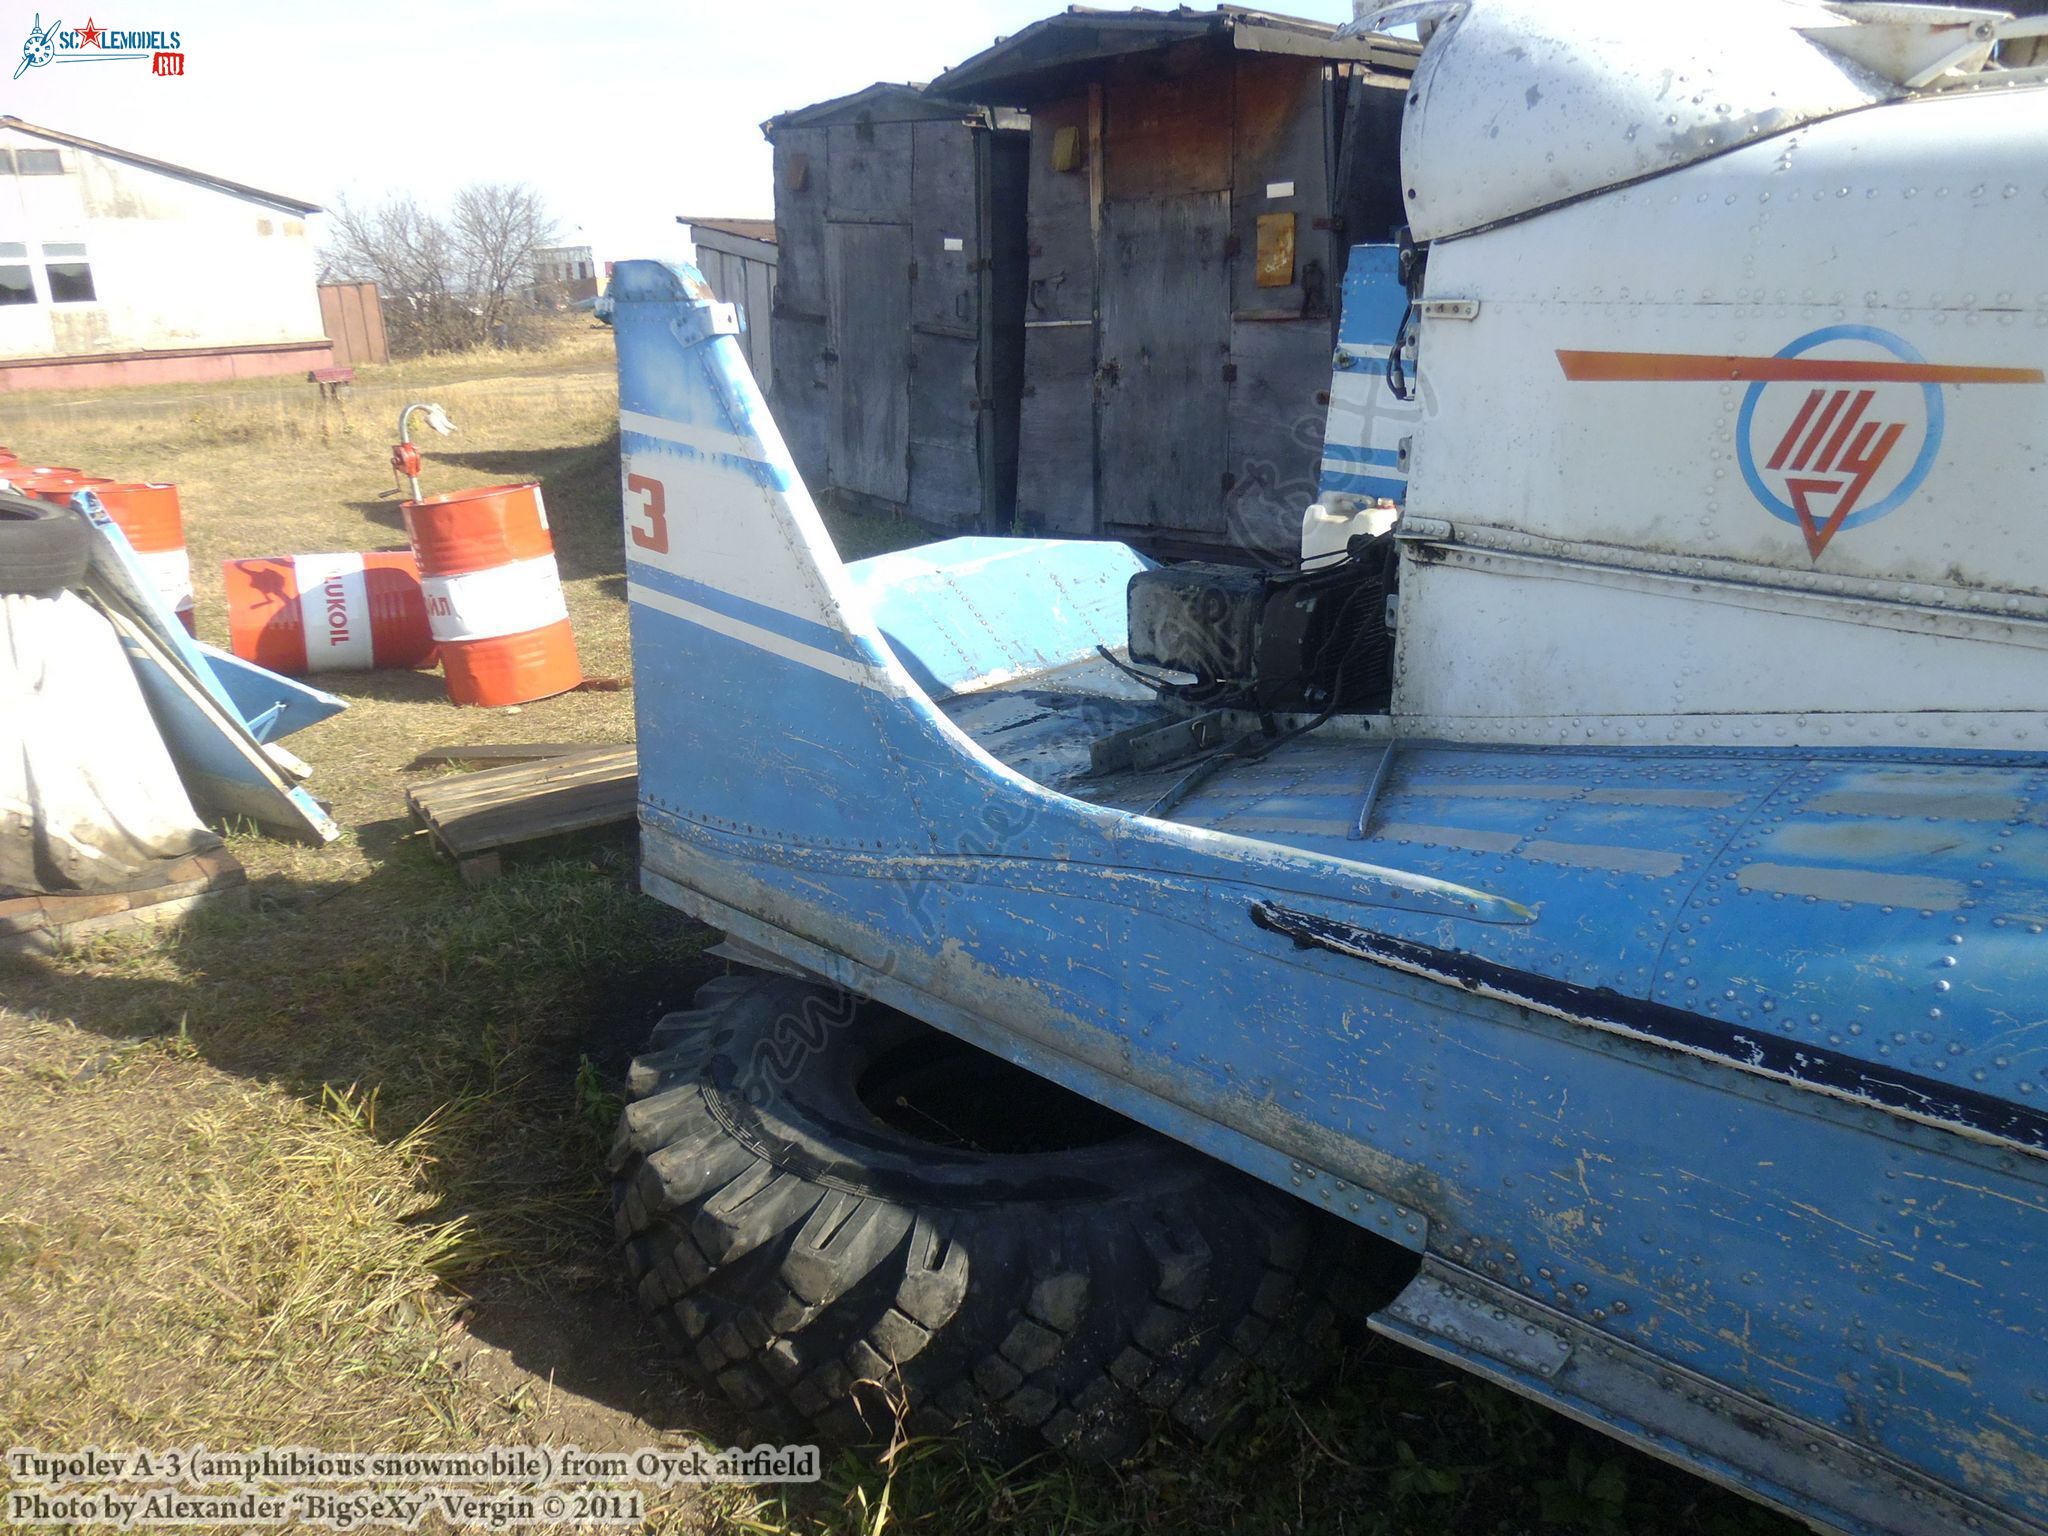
{"type": "Point", "coordinates": [497, 230]}
{"type": "Point", "coordinates": [448, 284]}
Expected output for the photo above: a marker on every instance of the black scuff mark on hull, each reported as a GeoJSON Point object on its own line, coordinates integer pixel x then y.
{"type": "Point", "coordinates": [1835, 1073]}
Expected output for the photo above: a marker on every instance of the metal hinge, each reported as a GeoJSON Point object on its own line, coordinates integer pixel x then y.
{"type": "Point", "coordinates": [705, 319]}
{"type": "Point", "coordinates": [1450, 309]}
{"type": "Point", "coordinates": [1430, 530]}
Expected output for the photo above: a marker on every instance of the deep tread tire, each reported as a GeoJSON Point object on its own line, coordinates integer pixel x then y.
{"type": "Point", "coordinates": [815, 1265]}
{"type": "Point", "coordinates": [43, 547]}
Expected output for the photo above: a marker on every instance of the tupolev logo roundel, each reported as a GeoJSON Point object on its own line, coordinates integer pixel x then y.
{"type": "Point", "coordinates": [1830, 454]}
{"type": "Point", "coordinates": [1836, 430]}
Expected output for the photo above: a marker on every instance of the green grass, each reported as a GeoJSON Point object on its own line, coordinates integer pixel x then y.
{"type": "Point", "coordinates": [327, 1170]}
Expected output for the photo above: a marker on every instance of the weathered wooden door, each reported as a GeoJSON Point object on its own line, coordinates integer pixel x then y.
{"type": "Point", "coordinates": [868, 359]}
{"type": "Point", "coordinates": [1164, 422]}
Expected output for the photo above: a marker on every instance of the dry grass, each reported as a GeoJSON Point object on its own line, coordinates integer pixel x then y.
{"type": "Point", "coordinates": [326, 1170]}
{"type": "Point", "coordinates": [577, 346]}
{"type": "Point", "coordinates": [145, 1295]}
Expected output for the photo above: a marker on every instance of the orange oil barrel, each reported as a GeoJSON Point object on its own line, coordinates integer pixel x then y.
{"type": "Point", "coordinates": [149, 514]}
{"type": "Point", "coordinates": [494, 595]}
{"type": "Point", "coordinates": [328, 612]}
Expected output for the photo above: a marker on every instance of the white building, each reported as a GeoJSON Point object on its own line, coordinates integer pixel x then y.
{"type": "Point", "coordinates": [570, 272]}
{"type": "Point", "coordinates": [116, 268]}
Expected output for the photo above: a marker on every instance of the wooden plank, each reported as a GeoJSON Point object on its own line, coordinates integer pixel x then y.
{"type": "Point", "coordinates": [1282, 145]}
{"type": "Point", "coordinates": [1056, 431]}
{"type": "Point", "coordinates": [947, 293]}
{"type": "Point", "coordinates": [1278, 405]}
{"type": "Point", "coordinates": [473, 803]}
{"type": "Point", "coordinates": [801, 187]}
{"type": "Point", "coordinates": [39, 924]}
{"type": "Point", "coordinates": [448, 798]}
{"type": "Point", "coordinates": [475, 814]}
{"type": "Point", "coordinates": [1061, 282]}
{"type": "Point", "coordinates": [869, 171]}
{"type": "Point", "coordinates": [497, 752]}
{"type": "Point", "coordinates": [803, 392]}
{"type": "Point", "coordinates": [571, 810]}
{"type": "Point", "coordinates": [1165, 137]}
{"type": "Point", "coordinates": [1165, 342]}
{"type": "Point", "coordinates": [945, 475]}
{"type": "Point", "coordinates": [868, 451]}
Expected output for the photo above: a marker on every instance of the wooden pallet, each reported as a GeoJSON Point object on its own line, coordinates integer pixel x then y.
{"type": "Point", "coordinates": [474, 817]}
{"type": "Point", "coordinates": [44, 924]}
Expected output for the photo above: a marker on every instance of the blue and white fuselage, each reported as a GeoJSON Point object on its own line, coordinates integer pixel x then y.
{"type": "Point", "coordinates": [1666, 970]}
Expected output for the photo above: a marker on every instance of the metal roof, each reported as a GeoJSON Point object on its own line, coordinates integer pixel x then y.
{"type": "Point", "coordinates": [744, 229]}
{"type": "Point", "coordinates": [883, 102]}
{"type": "Point", "coordinates": [1048, 55]}
{"type": "Point", "coordinates": [182, 172]}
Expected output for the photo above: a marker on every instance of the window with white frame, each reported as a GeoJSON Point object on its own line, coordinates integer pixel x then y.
{"type": "Point", "coordinates": [68, 273]}
{"type": "Point", "coordinates": [17, 283]}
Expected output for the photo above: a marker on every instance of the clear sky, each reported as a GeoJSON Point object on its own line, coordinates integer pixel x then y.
{"type": "Point", "coordinates": [623, 113]}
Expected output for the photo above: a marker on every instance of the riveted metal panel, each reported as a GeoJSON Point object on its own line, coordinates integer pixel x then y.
{"type": "Point", "coordinates": [1520, 105]}
{"type": "Point", "coordinates": [1807, 1266]}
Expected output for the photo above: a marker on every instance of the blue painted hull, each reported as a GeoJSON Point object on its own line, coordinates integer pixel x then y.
{"type": "Point", "coordinates": [1703, 1084]}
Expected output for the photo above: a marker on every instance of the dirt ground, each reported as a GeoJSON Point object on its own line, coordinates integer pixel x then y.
{"type": "Point", "coordinates": [326, 1169]}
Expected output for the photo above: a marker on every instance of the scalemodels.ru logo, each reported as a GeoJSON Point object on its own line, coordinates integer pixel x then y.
{"type": "Point", "coordinates": [94, 44]}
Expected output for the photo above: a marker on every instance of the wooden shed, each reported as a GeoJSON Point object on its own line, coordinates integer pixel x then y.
{"type": "Point", "coordinates": [899, 300]}
{"type": "Point", "coordinates": [1196, 179]}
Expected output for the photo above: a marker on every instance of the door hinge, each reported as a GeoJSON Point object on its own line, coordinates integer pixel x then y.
{"type": "Point", "coordinates": [1450, 309]}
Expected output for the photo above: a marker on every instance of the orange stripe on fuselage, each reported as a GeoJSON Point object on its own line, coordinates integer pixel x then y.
{"type": "Point", "coordinates": [1690, 367]}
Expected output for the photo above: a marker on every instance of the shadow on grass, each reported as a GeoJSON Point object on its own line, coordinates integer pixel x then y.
{"type": "Point", "coordinates": [482, 1014]}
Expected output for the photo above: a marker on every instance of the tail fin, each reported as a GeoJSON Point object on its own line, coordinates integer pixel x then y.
{"type": "Point", "coordinates": [719, 526]}
{"type": "Point", "coordinates": [758, 668]}
{"type": "Point", "coordinates": [783, 744]}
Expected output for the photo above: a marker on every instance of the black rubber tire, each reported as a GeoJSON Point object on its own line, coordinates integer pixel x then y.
{"type": "Point", "coordinates": [797, 1251]}
{"type": "Point", "coordinates": [43, 547]}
